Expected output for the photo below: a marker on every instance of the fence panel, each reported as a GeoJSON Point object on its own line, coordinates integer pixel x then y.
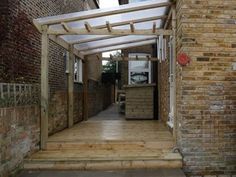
{"type": "Point", "coordinates": [14, 94]}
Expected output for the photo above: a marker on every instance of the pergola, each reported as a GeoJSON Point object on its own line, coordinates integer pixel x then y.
{"type": "Point", "coordinates": [101, 30]}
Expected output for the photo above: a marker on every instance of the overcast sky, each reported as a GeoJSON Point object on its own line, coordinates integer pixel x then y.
{"type": "Point", "coordinates": [108, 3]}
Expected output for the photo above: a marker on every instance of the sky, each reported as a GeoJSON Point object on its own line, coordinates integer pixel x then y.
{"type": "Point", "coordinates": [107, 4]}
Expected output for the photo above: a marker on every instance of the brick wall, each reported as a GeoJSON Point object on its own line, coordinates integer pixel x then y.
{"type": "Point", "coordinates": [163, 72]}
{"type": "Point", "coordinates": [19, 133]}
{"type": "Point", "coordinates": [206, 89]}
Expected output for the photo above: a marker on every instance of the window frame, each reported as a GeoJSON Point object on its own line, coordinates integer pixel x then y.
{"type": "Point", "coordinates": [80, 68]}
{"type": "Point", "coordinates": [79, 72]}
{"type": "Point", "coordinates": [170, 121]}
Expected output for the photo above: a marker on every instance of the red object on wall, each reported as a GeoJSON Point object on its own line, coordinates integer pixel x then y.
{"type": "Point", "coordinates": [183, 59]}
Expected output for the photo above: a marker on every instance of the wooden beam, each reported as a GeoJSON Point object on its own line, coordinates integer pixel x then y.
{"type": "Point", "coordinates": [63, 44]}
{"type": "Point", "coordinates": [168, 19]}
{"type": "Point", "coordinates": [117, 43]}
{"type": "Point", "coordinates": [89, 31]}
{"type": "Point", "coordinates": [44, 89]}
{"type": "Point", "coordinates": [132, 28]}
{"type": "Point", "coordinates": [117, 24]}
{"type": "Point", "coordinates": [154, 27]}
{"type": "Point", "coordinates": [109, 27]}
{"type": "Point", "coordinates": [122, 56]}
{"type": "Point", "coordinates": [93, 39]}
{"type": "Point", "coordinates": [174, 25]}
{"type": "Point", "coordinates": [111, 57]}
{"type": "Point", "coordinates": [98, 57]}
{"type": "Point", "coordinates": [65, 27]}
{"type": "Point", "coordinates": [85, 89]}
{"type": "Point", "coordinates": [148, 58]}
{"type": "Point", "coordinates": [118, 47]}
{"type": "Point", "coordinates": [127, 22]}
{"type": "Point", "coordinates": [71, 88]}
{"type": "Point", "coordinates": [88, 27]}
{"type": "Point", "coordinates": [98, 13]}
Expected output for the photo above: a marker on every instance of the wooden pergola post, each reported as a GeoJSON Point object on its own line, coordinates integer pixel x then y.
{"type": "Point", "coordinates": [85, 89]}
{"type": "Point", "coordinates": [174, 71]}
{"type": "Point", "coordinates": [71, 87]}
{"type": "Point", "coordinates": [44, 88]}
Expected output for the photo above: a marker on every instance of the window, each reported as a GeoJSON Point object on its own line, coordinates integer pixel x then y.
{"type": "Point", "coordinates": [139, 71]}
{"type": "Point", "coordinates": [78, 68]}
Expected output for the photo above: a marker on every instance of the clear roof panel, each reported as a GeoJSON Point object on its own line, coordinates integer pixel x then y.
{"type": "Point", "coordinates": [142, 14]}
{"type": "Point", "coordinates": [113, 41]}
{"type": "Point", "coordinates": [81, 38]}
{"type": "Point", "coordinates": [115, 20]}
{"type": "Point", "coordinates": [117, 47]}
{"type": "Point", "coordinates": [100, 12]}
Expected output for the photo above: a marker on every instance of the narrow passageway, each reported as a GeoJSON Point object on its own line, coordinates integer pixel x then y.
{"type": "Point", "coordinates": [108, 142]}
{"type": "Point", "coordinates": [110, 125]}
{"type": "Point", "coordinates": [111, 113]}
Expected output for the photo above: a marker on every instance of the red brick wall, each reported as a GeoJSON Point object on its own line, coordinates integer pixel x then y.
{"type": "Point", "coordinates": [206, 92]}
{"type": "Point", "coordinates": [19, 133]}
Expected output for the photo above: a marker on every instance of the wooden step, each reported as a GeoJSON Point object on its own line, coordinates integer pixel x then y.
{"type": "Point", "coordinates": [109, 145]}
{"type": "Point", "coordinates": [103, 160]}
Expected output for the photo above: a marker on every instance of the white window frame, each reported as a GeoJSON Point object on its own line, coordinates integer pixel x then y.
{"type": "Point", "coordinates": [135, 1]}
{"type": "Point", "coordinates": [140, 55]}
{"type": "Point", "coordinates": [79, 71]}
{"type": "Point", "coordinates": [170, 121]}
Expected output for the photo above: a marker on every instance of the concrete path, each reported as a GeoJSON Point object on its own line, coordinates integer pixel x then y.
{"type": "Point", "coordinates": [127, 173]}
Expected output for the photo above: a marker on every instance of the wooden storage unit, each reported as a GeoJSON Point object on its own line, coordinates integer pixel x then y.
{"type": "Point", "coordinates": [139, 101]}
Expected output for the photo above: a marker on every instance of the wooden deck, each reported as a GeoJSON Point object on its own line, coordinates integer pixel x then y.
{"type": "Point", "coordinates": [108, 145]}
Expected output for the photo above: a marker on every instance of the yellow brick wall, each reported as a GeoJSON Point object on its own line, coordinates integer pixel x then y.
{"type": "Point", "coordinates": [206, 89]}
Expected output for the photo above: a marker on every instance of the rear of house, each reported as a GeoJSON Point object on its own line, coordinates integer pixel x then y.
{"type": "Point", "coordinates": [205, 87]}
